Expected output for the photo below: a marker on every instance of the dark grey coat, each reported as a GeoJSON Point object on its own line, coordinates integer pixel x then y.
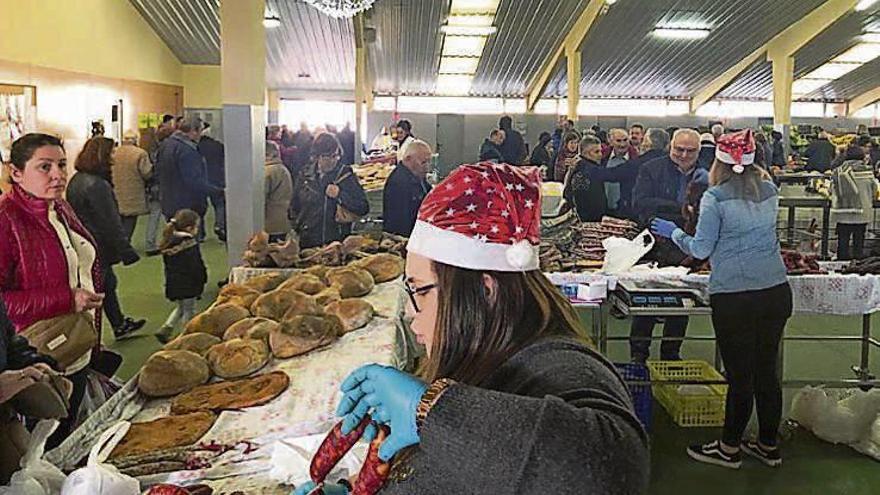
{"type": "Point", "coordinates": [555, 418]}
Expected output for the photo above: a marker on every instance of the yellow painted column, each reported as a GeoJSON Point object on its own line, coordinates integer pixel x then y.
{"type": "Point", "coordinates": [243, 79]}
{"type": "Point", "coordinates": [273, 100]}
{"type": "Point", "coordinates": [573, 63]}
{"type": "Point", "coordinates": [783, 77]}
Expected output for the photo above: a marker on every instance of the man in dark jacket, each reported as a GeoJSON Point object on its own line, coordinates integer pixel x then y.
{"type": "Point", "coordinates": [707, 151]}
{"type": "Point", "coordinates": [583, 192]}
{"type": "Point", "coordinates": [405, 189]}
{"type": "Point", "coordinates": [661, 191]}
{"type": "Point", "coordinates": [820, 153]}
{"type": "Point", "coordinates": [183, 177]}
{"type": "Point", "coordinates": [513, 148]}
{"type": "Point", "coordinates": [346, 140]}
{"type": "Point", "coordinates": [616, 153]}
{"type": "Point", "coordinates": [778, 159]}
{"type": "Point", "coordinates": [215, 161]}
{"type": "Point", "coordinates": [490, 149]}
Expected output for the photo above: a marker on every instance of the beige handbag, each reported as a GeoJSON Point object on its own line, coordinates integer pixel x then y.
{"type": "Point", "coordinates": [65, 338]}
{"type": "Point", "coordinates": [343, 214]}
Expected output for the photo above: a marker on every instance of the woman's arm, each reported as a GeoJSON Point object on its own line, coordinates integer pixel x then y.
{"type": "Point", "coordinates": [701, 245]}
{"type": "Point", "coordinates": [109, 222]}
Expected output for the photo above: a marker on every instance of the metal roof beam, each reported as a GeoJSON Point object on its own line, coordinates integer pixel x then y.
{"type": "Point", "coordinates": [783, 45]}
{"type": "Point", "coordinates": [863, 100]}
{"type": "Point", "coordinates": [363, 86]}
{"type": "Point", "coordinates": [572, 42]}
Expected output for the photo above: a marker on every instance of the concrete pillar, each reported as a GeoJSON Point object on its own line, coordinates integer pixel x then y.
{"type": "Point", "coordinates": [783, 77]}
{"type": "Point", "coordinates": [243, 76]}
{"type": "Point", "coordinates": [573, 63]}
{"type": "Point", "coordinates": [274, 103]}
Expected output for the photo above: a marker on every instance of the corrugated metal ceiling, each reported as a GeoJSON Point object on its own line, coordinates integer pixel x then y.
{"type": "Point", "coordinates": [622, 58]}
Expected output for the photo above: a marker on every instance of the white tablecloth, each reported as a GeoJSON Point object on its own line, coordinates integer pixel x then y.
{"type": "Point", "coordinates": [831, 294]}
{"type": "Point", "coordinates": [306, 408]}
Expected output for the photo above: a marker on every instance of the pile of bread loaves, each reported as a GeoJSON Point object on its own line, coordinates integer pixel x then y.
{"type": "Point", "coordinates": [269, 315]}
{"type": "Point", "coordinates": [262, 254]}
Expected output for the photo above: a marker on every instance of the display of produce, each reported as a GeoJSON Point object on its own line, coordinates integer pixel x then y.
{"type": "Point", "coordinates": [581, 247]}
{"type": "Point", "coordinates": [801, 264]}
{"type": "Point", "coordinates": [374, 172]}
{"type": "Point", "coordinates": [234, 394]}
{"type": "Point", "coordinates": [237, 357]}
{"type": "Point", "coordinates": [198, 343]}
{"type": "Point", "coordinates": [216, 319]}
{"type": "Point", "coordinates": [867, 266]}
{"type": "Point", "coordinates": [354, 313]}
{"type": "Point", "coordinates": [168, 373]}
{"type": "Point", "coordinates": [251, 328]}
{"type": "Point", "coordinates": [303, 333]}
{"type": "Point", "coordinates": [261, 254]}
{"type": "Point", "coordinates": [165, 433]}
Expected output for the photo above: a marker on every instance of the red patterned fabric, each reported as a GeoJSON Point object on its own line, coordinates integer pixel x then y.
{"type": "Point", "coordinates": [737, 148]}
{"type": "Point", "coordinates": [33, 270]}
{"type": "Point", "coordinates": [495, 203]}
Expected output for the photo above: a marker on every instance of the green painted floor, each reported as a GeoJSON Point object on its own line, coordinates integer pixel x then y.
{"type": "Point", "coordinates": [811, 465]}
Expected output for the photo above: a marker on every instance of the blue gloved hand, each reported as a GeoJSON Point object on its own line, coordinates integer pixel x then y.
{"type": "Point", "coordinates": [391, 397]}
{"type": "Point", "coordinates": [328, 489]}
{"type": "Point", "coordinates": [663, 228]}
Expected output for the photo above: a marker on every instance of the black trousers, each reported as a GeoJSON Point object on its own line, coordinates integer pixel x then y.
{"type": "Point", "coordinates": [643, 327]}
{"type": "Point", "coordinates": [112, 308]}
{"type": "Point", "coordinates": [850, 240]}
{"type": "Point", "coordinates": [66, 425]}
{"type": "Point", "coordinates": [748, 327]}
{"type": "Point", "coordinates": [128, 225]}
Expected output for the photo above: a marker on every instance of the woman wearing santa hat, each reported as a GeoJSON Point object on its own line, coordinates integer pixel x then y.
{"type": "Point", "coordinates": [750, 295]}
{"type": "Point", "coordinates": [511, 398]}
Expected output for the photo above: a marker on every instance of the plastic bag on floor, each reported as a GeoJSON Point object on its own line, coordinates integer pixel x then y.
{"type": "Point", "coordinates": [98, 478]}
{"type": "Point", "coordinates": [36, 476]}
{"type": "Point", "coordinates": [847, 421]}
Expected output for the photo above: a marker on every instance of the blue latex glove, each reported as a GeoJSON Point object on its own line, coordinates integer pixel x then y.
{"type": "Point", "coordinates": [663, 228]}
{"type": "Point", "coordinates": [328, 489]}
{"type": "Point", "coordinates": [391, 397]}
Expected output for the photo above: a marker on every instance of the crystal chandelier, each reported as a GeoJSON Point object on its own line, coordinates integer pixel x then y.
{"type": "Point", "coordinates": [341, 8]}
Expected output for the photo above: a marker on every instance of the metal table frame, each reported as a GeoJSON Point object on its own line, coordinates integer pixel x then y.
{"type": "Point", "coordinates": [864, 378]}
{"type": "Point", "coordinates": [793, 203]}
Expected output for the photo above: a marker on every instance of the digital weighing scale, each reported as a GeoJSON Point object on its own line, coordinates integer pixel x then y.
{"type": "Point", "coordinates": [659, 298]}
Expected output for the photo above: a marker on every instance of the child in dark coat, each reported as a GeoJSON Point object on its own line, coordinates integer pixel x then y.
{"type": "Point", "coordinates": [185, 272]}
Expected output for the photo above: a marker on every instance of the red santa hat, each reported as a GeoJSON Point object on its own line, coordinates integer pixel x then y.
{"type": "Point", "coordinates": [737, 149]}
{"type": "Point", "coordinates": [485, 216]}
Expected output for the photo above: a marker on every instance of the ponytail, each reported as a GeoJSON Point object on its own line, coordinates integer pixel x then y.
{"type": "Point", "coordinates": [182, 221]}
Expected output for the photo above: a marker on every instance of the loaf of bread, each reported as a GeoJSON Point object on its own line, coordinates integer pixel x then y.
{"type": "Point", "coordinates": [238, 357]}
{"type": "Point", "coordinates": [278, 303]}
{"type": "Point", "coordinates": [319, 271]}
{"type": "Point", "coordinates": [198, 343]}
{"type": "Point", "coordinates": [305, 283]}
{"type": "Point", "coordinates": [266, 282]}
{"type": "Point", "coordinates": [164, 433]}
{"type": "Point", "coordinates": [251, 328]}
{"type": "Point", "coordinates": [350, 281]}
{"type": "Point", "coordinates": [217, 319]}
{"type": "Point", "coordinates": [327, 296]}
{"type": "Point", "coordinates": [239, 295]}
{"type": "Point", "coordinates": [353, 313]}
{"type": "Point", "coordinates": [303, 333]}
{"type": "Point", "coordinates": [383, 267]}
{"type": "Point", "coordinates": [169, 373]}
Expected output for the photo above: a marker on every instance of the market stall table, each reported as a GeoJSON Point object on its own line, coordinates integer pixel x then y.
{"type": "Point", "coordinates": [816, 201]}
{"type": "Point", "coordinates": [307, 407]}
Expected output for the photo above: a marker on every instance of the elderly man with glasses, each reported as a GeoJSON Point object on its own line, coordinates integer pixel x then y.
{"type": "Point", "coordinates": [661, 192]}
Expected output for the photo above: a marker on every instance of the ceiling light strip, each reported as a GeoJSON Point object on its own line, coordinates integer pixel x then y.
{"type": "Point", "coordinates": [466, 31]}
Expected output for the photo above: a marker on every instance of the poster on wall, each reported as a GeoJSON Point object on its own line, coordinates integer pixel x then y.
{"type": "Point", "coordinates": [17, 114]}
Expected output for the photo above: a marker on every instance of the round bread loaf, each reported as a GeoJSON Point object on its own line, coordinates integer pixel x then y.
{"type": "Point", "coordinates": [238, 357]}
{"type": "Point", "coordinates": [217, 319]}
{"type": "Point", "coordinates": [198, 343]}
{"type": "Point", "coordinates": [169, 373]}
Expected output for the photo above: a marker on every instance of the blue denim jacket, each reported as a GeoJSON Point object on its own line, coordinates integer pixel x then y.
{"type": "Point", "coordinates": [739, 238]}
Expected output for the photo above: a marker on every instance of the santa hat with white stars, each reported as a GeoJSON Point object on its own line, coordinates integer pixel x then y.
{"type": "Point", "coordinates": [484, 216]}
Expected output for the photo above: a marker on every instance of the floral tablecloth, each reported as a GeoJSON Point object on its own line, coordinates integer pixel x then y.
{"type": "Point", "coordinates": [831, 294]}
{"type": "Point", "coordinates": [305, 408]}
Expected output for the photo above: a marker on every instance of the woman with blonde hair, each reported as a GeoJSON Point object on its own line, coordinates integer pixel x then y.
{"type": "Point", "coordinates": [749, 294]}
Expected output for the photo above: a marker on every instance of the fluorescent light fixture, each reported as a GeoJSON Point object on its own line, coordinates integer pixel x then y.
{"type": "Point", "coordinates": [832, 70]}
{"type": "Point", "coordinates": [475, 20]}
{"type": "Point", "coordinates": [681, 34]}
{"type": "Point", "coordinates": [871, 37]}
{"type": "Point", "coordinates": [463, 46]}
{"type": "Point", "coordinates": [864, 4]}
{"type": "Point", "coordinates": [453, 84]}
{"type": "Point", "coordinates": [473, 6]}
{"type": "Point", "coordinates": [610, 2]}
{"type": "Point", "coordinates": [459, 65]}
{"type": "Point", "coordinates": [806, 86]}
{"type": "Point", "coordinates": [468, 30]}
{"type": "Point", "coordinates": [860, 54]}
{"type": "Point", "coordinates": [271, 21]}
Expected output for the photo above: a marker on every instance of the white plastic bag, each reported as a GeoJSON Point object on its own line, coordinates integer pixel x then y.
{"type": "Point", "coordinates": [36, 476]}
{"type": "Point", "coordinates": [291, 458]}
{"type": "Point", "coordinates": [621, 254]}
{"type": "Point", "coordinates": [98, 478]}
{"type": "Point", "coordinates": [847, 421]}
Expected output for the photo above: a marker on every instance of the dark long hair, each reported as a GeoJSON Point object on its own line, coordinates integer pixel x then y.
{"type": "Point", "coordinates": [96, 157]}
{"type": "Point", "coordinates": [475, 334]}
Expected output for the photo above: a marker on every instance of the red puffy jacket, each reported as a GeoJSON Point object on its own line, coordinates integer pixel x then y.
{"type": "Point", "coordinates": [33, 270]}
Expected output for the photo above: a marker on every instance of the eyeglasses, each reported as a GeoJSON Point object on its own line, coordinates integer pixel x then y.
{"type": "Point", "coordinates": [685, 151]}
{"type": "Point", "coordinates": [412, 292]}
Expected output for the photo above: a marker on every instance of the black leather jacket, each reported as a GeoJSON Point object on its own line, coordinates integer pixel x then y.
{"type": "Point", "coordinates": [15, 352]}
